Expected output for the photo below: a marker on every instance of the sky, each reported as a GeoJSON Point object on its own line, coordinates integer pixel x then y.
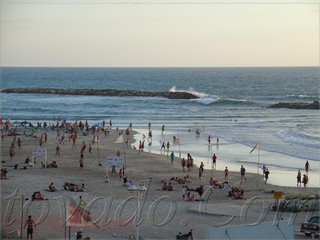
{"type": "Point", "coordinates": [163, 33]}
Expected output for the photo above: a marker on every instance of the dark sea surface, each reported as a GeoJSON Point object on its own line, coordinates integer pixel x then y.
{"type": "Point", "coordinates": [233, 106]}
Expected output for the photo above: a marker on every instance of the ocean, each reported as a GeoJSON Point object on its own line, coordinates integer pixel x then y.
{"type": "Point", "coordinates": [232, 106]}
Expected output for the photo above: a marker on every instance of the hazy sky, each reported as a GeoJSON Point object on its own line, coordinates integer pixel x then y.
{"type": "Point", "coordinates": [164, 33]}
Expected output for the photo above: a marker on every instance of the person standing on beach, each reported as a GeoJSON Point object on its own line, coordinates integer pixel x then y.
{"type": "Point", "coordinates": [266, 175]}
{"type": "Point", "coordinates": [242, 173]}
{"type": "Point", "coordinates": [162, 129]}
{"type": "Point", "coordinates": [226, 174]}
{"type": "Point", "coordinates": [184, 192]}
{"type": "Point", "coordinates": [201, 169]}
{"type": "Point", "coordinates": [214, 161]}
{"type": "Point", "coordinates": [81, 161]}
{"type": "Point", "coordinates": [58, 150]}
{"type": "Point", "coordinates": [299, 178]}
{"type": "Point", "coordinates": [305, 180]}
{"type": "Point", "coordinates": [30, 223]}
{"type": "Point", "coordinates": [90, 149]}
{"type": "Point", "coordinates": [171, 157]}
{"type": "Point", "coordinates": [307, 166]}
{"type": "Point", "coordinates": [168, 146]}
{"type": "Point", "coordinates": [183, 164]}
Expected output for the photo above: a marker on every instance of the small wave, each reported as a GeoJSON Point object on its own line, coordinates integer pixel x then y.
{"type": "Point", "coordinates": [190, 90]}
{"type": "Point", "coordinates": [232, 100]}
{"type": "Point", "coordinates": [205, 99]}
{"type": "Point", "coordinates": [296, 137]}
{"type": "Point", "coordinates": [217, 100]}
{"type": "Point", "coordinates": [302, 96]}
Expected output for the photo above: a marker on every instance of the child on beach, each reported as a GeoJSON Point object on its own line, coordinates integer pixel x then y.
{"type": "Point", "coordinates": [299, 178]}
{"type": "Point", "coordinates": [226, 173]}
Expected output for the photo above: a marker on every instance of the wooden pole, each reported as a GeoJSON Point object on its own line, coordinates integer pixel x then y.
{"type": "Point", "coordinates": [21, 222]}
{"type": "Point", "coordinates": [258, 164]}
{"type": "Point", "coordinates": [179, 146]}
{"type": "Point", "coordinates": [124, 153]}
{"type": "Point", "coordinates": [99, 163]}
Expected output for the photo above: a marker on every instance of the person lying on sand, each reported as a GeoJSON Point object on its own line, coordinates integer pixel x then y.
{"type": "Point", "coordinates": [236, 193]}
{"type": "Point", "coordinates": [38, 196]}
{"type": "Point", "coordinates": [74, 187]}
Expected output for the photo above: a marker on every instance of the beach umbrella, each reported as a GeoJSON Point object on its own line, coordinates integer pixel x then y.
{"type": "Point", "coordinates": [16, 122]}
{"type": "Point", "coordinates": [24, 122]}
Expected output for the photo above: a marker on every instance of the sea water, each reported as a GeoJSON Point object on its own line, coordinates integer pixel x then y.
{"type": "Point", "coordinates": [232, 106]}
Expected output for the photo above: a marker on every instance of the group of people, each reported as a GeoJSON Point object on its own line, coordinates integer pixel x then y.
{"type": "Point", "coordinates": [236, 193]}
{"type": "Point", "coordinates": [183, 180]}
{"type": "Point", "coordinates": [166, 187]}
{"type": "Point", "coordinates": [188, 196]}
{"type": "Point", "coordinates": [305, 178]}
{"type": "Point", "coordinates": [187, 163]}
{"type": "Point", "coordinates": [74, 187]}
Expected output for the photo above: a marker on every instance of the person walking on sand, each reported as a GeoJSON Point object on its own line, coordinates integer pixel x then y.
{"type": "Point", "coordinates": [307, 166]}
{"type": "Point", "coordinates": [242, 173]}
{"type": "Point", "coordinates": [162, 129]}
{"type": "Point", "coordinates": [30, 223]}
{"type": "Point", "coordinates": [299, 178]}
{"type": "Point", "coordinates": [214, 161]}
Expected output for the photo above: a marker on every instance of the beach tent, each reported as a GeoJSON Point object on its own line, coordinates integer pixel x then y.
{"type": "Point", "coordinates": [16, 123]}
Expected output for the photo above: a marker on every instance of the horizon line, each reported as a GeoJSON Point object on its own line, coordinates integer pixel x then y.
{"type": "Point", "coordinates": [284, 66]}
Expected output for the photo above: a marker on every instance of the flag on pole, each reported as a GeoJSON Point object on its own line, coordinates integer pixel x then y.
{"type": "Point", "coordinates": [119, 139]}
{"type": "Point", "coordinates": [257, 146]}
{"type": "Point", "coordinates": [77, 215]}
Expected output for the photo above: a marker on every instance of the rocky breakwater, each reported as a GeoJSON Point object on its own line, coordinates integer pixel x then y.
{"type": "Point", "coordinates": [102, 92]}
{"type": "Point", "coordinates": [296, 105]}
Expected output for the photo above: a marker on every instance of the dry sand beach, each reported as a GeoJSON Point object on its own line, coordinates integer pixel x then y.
{"type": "Point", "coordinates": [163, 214]}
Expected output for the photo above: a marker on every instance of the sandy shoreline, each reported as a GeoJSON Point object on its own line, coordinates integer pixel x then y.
{"type": "Point", "coordinates": [139, 166]}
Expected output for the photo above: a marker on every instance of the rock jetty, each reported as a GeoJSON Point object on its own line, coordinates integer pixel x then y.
{"type": "Point", "coordinates": [102, 92]}
{"type": "Point", "coordinates": [296, 105]}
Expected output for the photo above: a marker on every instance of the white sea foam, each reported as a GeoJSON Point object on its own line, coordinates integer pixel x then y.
{"type": "Point", "coordinates": [297, 137]}
{"type": "Point", "coordinates": [189, 90]}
